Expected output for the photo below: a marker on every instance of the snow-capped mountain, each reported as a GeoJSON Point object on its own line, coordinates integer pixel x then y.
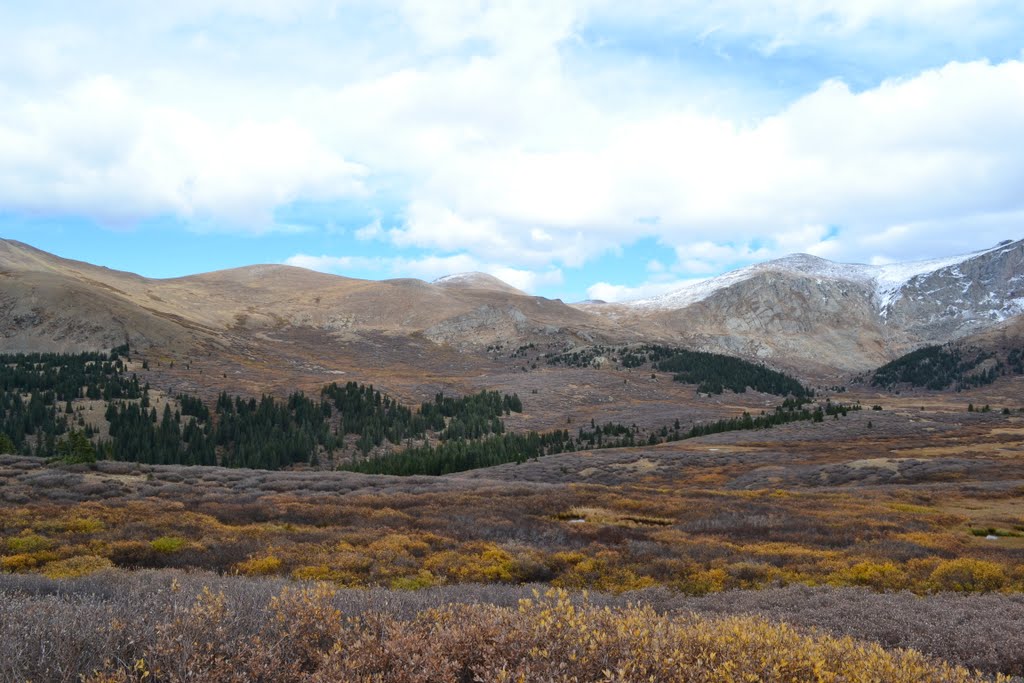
{"type": "Point", "coordinates": [889, 281]}
{"type": "Point", "coordinates": [853, 316]}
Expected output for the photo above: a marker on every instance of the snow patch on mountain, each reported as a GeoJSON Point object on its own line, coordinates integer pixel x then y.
{"type": "Point", "coordinates": [477, 280]}
{"type": "Point", "coordinates": [462, 279]}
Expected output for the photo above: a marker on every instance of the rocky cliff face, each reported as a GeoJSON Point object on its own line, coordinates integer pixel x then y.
{"type": "Point", "coordinates": [962, 298]}
{"type": "Point", "coordinates": [781, 317]}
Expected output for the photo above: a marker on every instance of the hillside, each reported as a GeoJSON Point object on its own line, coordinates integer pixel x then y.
{"type": "Point", "coordinates": [54, 304]}
{"type": "Point", "coordinates": [799, 313]}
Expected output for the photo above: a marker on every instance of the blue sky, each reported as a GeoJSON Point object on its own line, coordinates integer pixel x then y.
{"type": "Point", "coordinates": [579, 149]}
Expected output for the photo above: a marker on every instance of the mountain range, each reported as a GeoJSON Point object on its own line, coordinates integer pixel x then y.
{"type": "Point", "coordinates": [795, 312]}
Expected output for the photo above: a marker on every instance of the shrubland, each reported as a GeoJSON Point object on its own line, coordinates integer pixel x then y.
{"type": "Point", "coordinates": [175, 626]}
{"type": "Point", "coordinates": [361, 530]}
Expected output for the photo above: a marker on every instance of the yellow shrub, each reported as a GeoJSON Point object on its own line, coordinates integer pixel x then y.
{"type": "Point", "coordinates": [562, 561]}
{"type": "Point", "coordinates": [73, 567]}
{"type": "Point", "coordinates": [259, 566]}
{"type": "Point", "coordinates": [483, 562]}
{"type": "Point", "coordinates": [325, 573]}
{"type": "Point", "coordinates": [18, 563]}
{"type": "Point", "coordinates": [395, 554]}
{"type": "Point", "coordinates": [395, 546]}
{"type": "Point", "coordinates": [703, 581]}
{"type": "Point", "coordinates": [423, 579]}
{"type": "Point", "coordinates": [920, 569]}
{"type": "Point", "coordinates": [913, 509]}
{"type": "Point", "coordinates": [967, 574]}
{"type": "Point", "coordinates": [83, 525]}
{"type": "Point", "coordinates": [603, 573]}
{"type": "Point", "coordinates": [749, 574]}
{"type": "Point", "coordinates": [319, 572]}
{"type": "Point", "coordinates": [168, 544]}
{"type": "Point", "coordinates": [878, 575]}
{"type": "Point", "coordinates": [28, 543]}
{"type": "Point", "coordinates": [354, 562]}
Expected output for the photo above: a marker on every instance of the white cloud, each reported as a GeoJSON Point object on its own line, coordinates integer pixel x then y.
{"type": "Point", "coordinates": [945, 143]}
{"type": "Point", "coordinates": [776, 24]}
{"type": "Point", "coordinates": [551, 163]}
{"type": "Point", "coordinates": [611, 293]}
{"type": "Point", "coordinates": [370, 231]}
{"type": "Point", "coordinates": [500, 149]}
{"type": "Point", "coordinates": [526, 280]}
{"type": "Point", "coordinates": [332, 264]}
{"type": "Point", "coordinates": [428, 268]}
{"type": "Point", "coordinates": [99, 149]}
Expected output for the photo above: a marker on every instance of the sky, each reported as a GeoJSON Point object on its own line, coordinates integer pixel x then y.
{"type": "Point", "coordinates": [576, 149]}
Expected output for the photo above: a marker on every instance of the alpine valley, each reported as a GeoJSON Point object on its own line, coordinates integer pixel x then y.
{"type": "Point", "coordinates": [800, 470]}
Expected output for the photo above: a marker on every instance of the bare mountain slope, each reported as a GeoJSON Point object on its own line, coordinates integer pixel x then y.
{"type": "Point", "coordinates": [50, 303]}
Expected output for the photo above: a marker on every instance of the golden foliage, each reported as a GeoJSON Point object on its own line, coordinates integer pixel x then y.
{"type": "Point", "coordinates": [878, 575]}
{"type": "Point", "coordinates": [966, 574]}
{"type": "Point", "coordinates": [548, 638]}
{"type": "Point", "coordinates": [18, 563]}
{"type": "Point", "coordinates": [73, 567]}
{"type": "Point", "coordinates": [484, 562]}
{"type": "Point", "coordinates": [259, 566]}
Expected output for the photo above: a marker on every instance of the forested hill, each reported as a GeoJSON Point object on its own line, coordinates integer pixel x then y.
{"type": "Point", "coordinates": [952, 366]}
{"type": "Point", "coordinates": [48, 408]}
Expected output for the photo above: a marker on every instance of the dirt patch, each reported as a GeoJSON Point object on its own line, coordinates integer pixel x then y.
{"type": "Point", "coordinates": [641, 466]}
{"type": "Point", "coordinates": [892, 464]}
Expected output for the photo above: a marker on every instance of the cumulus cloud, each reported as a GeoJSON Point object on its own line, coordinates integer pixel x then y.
{"type": "Point", "coordinates": [604, 291]}
{"type": "Point", "coordinates": [505, 134]}
{"type": "Point", "coordinates": [99, 149]}
{"type": "Point", "coordinates": [943, 143]}
{"type": "Point", "coordinates": [332, 264]}
{"type": "Point", "coordinates": [554, 164]}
